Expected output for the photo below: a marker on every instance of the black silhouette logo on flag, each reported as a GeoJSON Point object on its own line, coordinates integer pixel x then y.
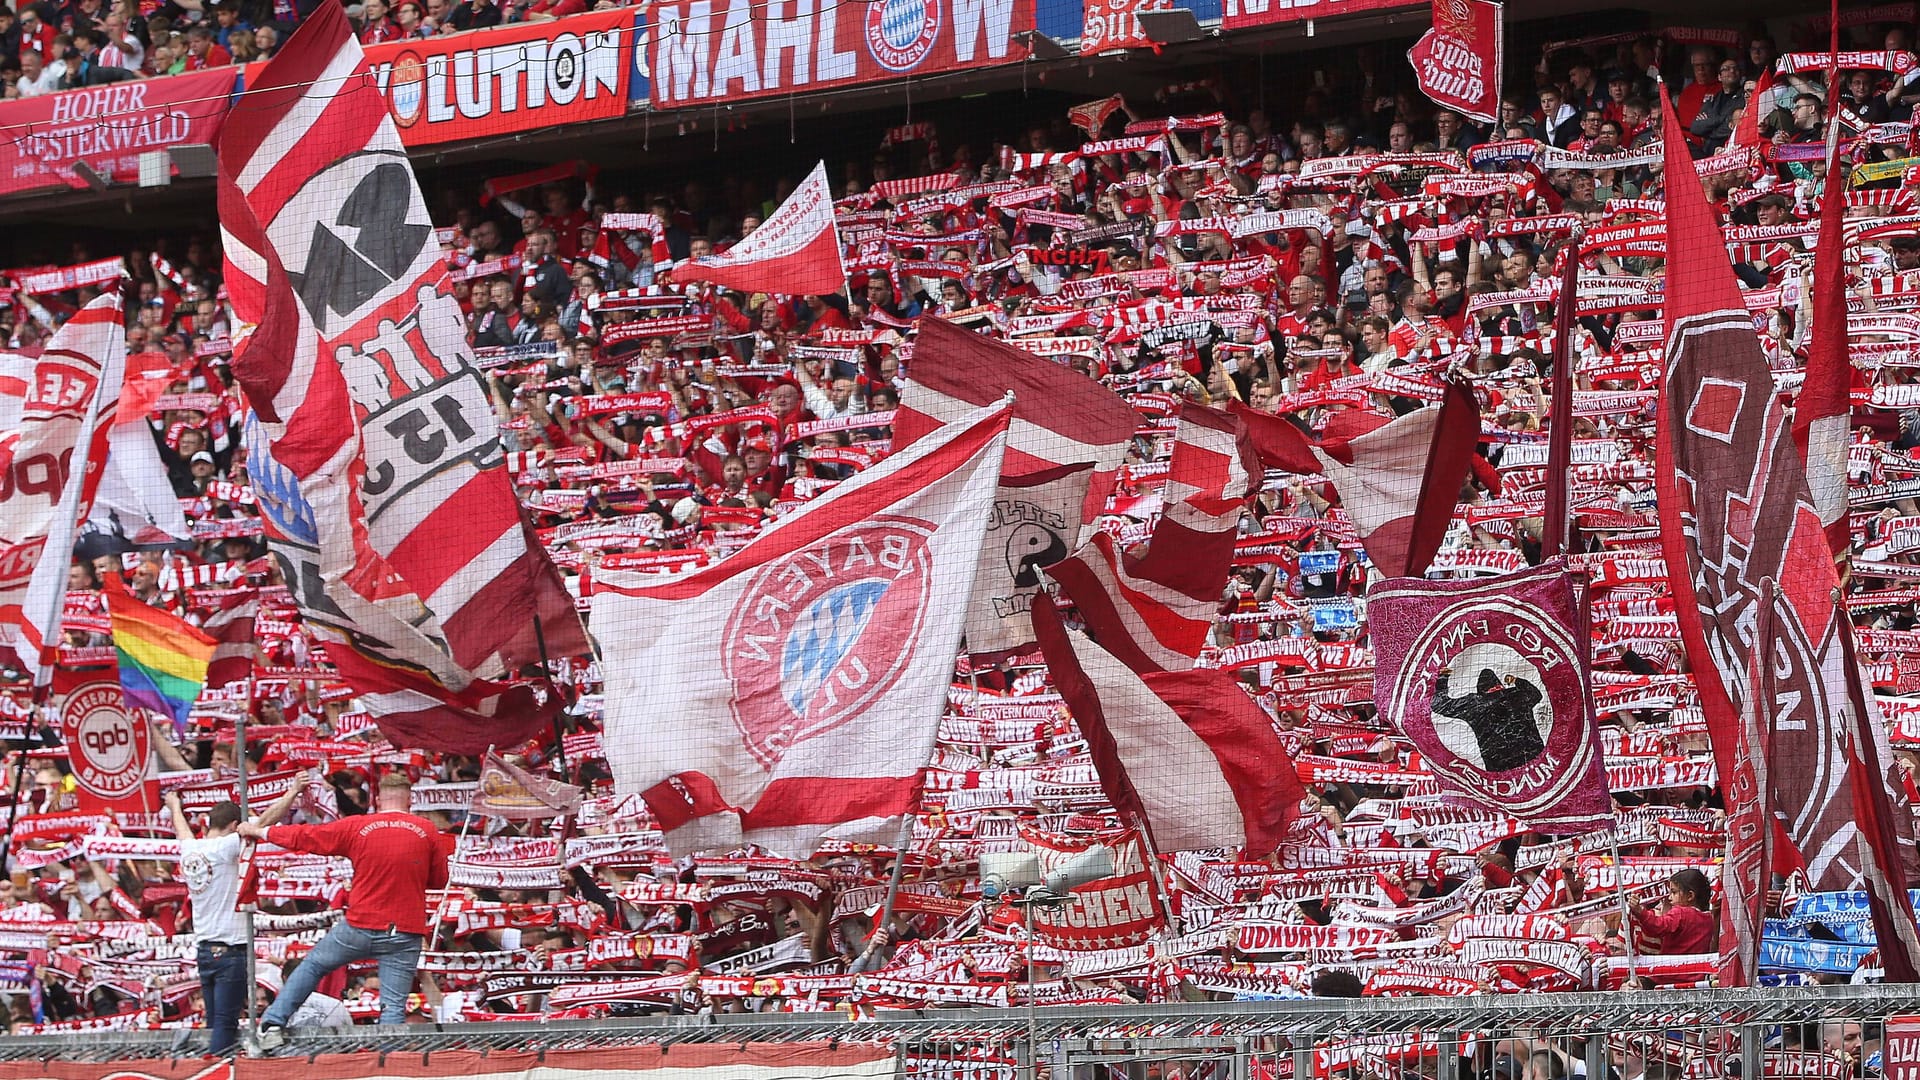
{"type": "Point", "coordinates": [365, 247]}
{"type": "Point", "coordinates": [1504, 714]}
{"type": "Point", "coordinates": [1488, 680]}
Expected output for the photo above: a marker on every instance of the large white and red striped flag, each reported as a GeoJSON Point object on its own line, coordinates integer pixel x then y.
{"type": "Point", "coordinates": [1069, 436]}
{"type": "Point", "coordinates": [52, 463]}
{"type": "Point", "coordinates": [385, 488]}
{"type": "Point", "coordinates": [1154, 609]}
{"type": "Point", "coordinates": [1755, 590]}
{"type": "Point", "coordinates": [795, 250]}
{"type": "Point", "coordinates": [1398, 479]}
{"type": "Point", "coordinates": [1186, 753]}
{"type": "Point", "coordinates": [1824, 410]}
{"type": "Point", "coordinates": [135, 494]}
{"type": "Point", "coordinates": [791, 692]}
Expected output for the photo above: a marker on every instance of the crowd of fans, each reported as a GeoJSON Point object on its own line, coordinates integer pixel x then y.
{"type": "Point", "coordinates": [1404, 241]}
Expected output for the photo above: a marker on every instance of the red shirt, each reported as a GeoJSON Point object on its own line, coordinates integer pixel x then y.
{"type": "Point", "coordinates": [1683, 930]}
{"type": "Point", "coordinates": [396, 859]}
{"type": "Point", "coordinates": [215, 57]}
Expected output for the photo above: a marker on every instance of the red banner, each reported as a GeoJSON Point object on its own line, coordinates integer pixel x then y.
{"type": "Point", "coordinates": [711, 50]}
{"type": "Point", "coordinates": [1116, 911]}
{"type": "Point", "coordinates": [525, 77]}
{"type": "Point", "coordinates": [1457, 62]}
{"type": "Point", "coordinates": [108, 745]}
{"type": "Point", "coordinates": [108, 127]}
{"type": "Point", "coordinates": [1115, 24]}
{"type": "Point", "coordinates": [1247, 14]}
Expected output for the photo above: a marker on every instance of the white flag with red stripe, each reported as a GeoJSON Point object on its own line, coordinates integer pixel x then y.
{"type": "Point", "coordinates": [1185, 752]}
{"type": "Point", "coordinates": [1823, 412]}
{"type": "Point", "coordinates": [1154, 609]}
{"type": "Point", "coordinates": [135, 494]}
{"type": "Point", "coordinates": [791, 692]}
{"type": "Point", "coordinates": [52, 463]}
{"type": "Point", "coordinates": [796, 250]}
{"type": "Point", "coordinates": [1397, 479]}
{"type": "Point", "coordinates": [382, 476]}
{"type": "Point", "coordinates": [1069, 436]}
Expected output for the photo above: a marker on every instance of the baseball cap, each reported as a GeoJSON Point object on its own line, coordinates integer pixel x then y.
{"type": "Point", "coordinates": [202, 456]}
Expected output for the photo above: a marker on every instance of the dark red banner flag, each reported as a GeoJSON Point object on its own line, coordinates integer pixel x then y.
{"type": "Point", "coordinates": [1742, 534]}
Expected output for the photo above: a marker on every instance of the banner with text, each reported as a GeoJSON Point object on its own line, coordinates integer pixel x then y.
{"type": "Point", "coordinates": [707, 50]}
{"type": "Point", "coordinates": [108, 127]}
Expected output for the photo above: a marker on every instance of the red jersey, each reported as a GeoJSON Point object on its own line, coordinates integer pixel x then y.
{"type": "Point", "coordinates": [1683, 930]}
{"type": "Point", "coordinates": [396, 859]}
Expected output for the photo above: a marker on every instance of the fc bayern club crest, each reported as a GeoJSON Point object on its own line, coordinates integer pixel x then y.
{"type": "Point", "coordinates": [1489, 680]}
{"type": "Point", "coordinates": [822, 632]}
{"type": "Point", "coordinates": [900, 33]}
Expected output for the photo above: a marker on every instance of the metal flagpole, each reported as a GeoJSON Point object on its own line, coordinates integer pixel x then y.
{"type": "Point", "coordinates": [20, 769]}
{"type": "Point", "coordinates": [900, 846]}
{"type": "Point", "coordinates": [1556, 534]}
{"type": "Point", "coordinates": [546, 668]}
{"type": "Point", "coordinates": [240, 761]}
{"type": "Point", "coordinates": [440, 913]}
{"type": "Point", "coordinates": [1620, 893]}
{"type": "Point", "coordinates": [1159, 881]}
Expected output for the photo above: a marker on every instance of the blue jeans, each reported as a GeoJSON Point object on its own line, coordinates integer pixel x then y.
{"type": "Point", "coordinates": [397, 951]}
{"type": "Point", "coordinates": [223, 992]}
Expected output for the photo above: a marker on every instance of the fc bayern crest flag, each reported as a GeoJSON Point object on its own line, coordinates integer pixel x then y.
{"type": "Point", "coordinates": [1488, 679]}
{"type": "Point", "coordinates": [791, 693]}
{"type": "Point", "coordinates": [381, 477]}
{"type": "Point", "coordinates": [1458, 61]}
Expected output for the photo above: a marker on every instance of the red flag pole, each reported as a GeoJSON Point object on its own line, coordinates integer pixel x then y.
{"type": "Point", "coordinates": [1556, 534]}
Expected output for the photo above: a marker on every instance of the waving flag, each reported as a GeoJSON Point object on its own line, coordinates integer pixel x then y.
{"type": "Point", "coordinates": [1823, 411]}
{"type": "Point", "coordinates": [509, 792]}
{"type": "Point", "coordinates": [55, 457]}
{"type": "Point", "coordinates": [1742, 534]}
{"type": "Point", "coordinates": [1488, 679]}
{"type": "Point", "coordinates": [1186, 753]}
{"type": "Point", "coordinates": [385, 489]}
{"type": "Point", "coordinates": [1154, 609]}
{"type": "Point", "coordinates": [792, 691]}
{"type": "Point", "coordinates": [135, 494]}
{"type": "Point", "coordinates": [1457, 63]}
{"type": "Point", "coordinates": [1398, 479]}
{"type": "Point", "coordinates": [1068, 439]}
{"type": "Point", "coordinates": [795, 250]}
{"type": "Point", "coordinates": [163, 658]}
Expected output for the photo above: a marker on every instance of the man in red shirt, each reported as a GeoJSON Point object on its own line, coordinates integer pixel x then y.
{"type": "Point", "coordinates": [396, 858]}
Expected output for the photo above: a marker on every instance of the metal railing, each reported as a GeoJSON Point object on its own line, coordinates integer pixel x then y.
{"type": "Point", "coordinates": [1282, 1035]}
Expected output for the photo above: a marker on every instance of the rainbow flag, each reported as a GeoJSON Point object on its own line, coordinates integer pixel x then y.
{"type": "Point", "coordinates": [163, 659]}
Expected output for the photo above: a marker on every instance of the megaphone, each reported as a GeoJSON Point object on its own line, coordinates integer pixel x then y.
{"type": "Point", "coordinates": [1007, 872]}
{"type": "Point", "coordinates": [1090, 865]}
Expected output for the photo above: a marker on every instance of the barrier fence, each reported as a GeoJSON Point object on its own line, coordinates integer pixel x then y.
{"type": "Point", "coordinates": [1798, 1033]}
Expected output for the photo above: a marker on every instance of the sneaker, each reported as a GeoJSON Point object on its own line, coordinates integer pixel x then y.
{"type": "Point", "coordinates": [268, 1038]}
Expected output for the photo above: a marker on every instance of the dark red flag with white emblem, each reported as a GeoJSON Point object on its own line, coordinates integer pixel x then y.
{"type": "Point", "coordinates": [1742, 533]}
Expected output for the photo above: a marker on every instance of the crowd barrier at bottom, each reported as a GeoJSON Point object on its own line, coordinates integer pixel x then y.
{"type": "Point", "coordinates": [1798, 1033]}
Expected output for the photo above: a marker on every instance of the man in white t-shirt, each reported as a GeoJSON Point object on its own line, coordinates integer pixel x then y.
{"type": "Point", "coordinates": [211, 867]}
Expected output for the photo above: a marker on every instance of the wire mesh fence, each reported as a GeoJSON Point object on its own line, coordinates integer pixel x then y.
{"type": "Point", "coordinates": [1791, 1033]}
